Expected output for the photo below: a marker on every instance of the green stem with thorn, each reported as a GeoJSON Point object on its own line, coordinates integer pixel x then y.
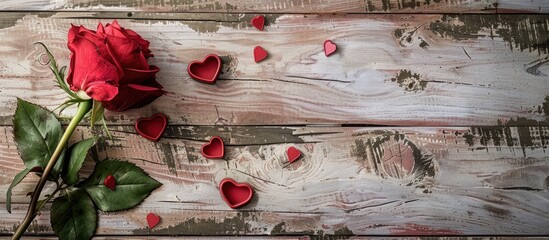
{"type": "Point", "coordinates": [83, 109]}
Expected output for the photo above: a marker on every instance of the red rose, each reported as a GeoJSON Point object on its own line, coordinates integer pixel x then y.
{"type": "Point", "coordinates": [110, 65]}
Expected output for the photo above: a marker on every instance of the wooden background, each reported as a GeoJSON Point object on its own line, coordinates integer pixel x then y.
{"type": "Point", "coordinates": [431, 119]}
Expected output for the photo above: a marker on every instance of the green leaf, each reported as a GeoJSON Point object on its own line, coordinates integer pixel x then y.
{"type": "Point", "coordinates": [16, 180]}
{"type": "Point", "coordinates": [96, 112]}
{"type": "Point", "coordinates": [68, 103]}
{"type": "Point", "coordinates": [132, 185]}
{"type": "Point", "coordinates": [109, 135]}
{"type": "Point", "coordinates": [62, 72]}
{"type": "Point", "coordinates": [78, 153]}
{"type": "Point", "coordinates": [36, 132]}
{"type": "Point", "coordinates": [73, 215]}
{"type": "Point", "coordinates": [59, 73]}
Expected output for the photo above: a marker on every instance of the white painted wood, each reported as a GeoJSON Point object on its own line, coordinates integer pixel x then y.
{"type": "Point", "coordinates": [251, 6]}
{"type": "Point", "coordinates": [523, 6]}
{"type": "Point", "coordinates": [459, 79]}
{"type": "Point", "coordinates": [482, 188]}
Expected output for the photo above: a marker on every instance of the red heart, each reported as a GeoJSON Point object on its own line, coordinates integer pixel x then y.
{"type": "Point", "coordinates": [215, 149]}
{"type": "Point", "coordinates": [206, 70]}
{"type": "Point", "coordinates": [110, 182]}
{"type": "Point", "coordinates": [153, 127]}
{"type": "Point", "coordinates": [152, 220]}
{"type": "Point", "coordinates": [235, 194]}
{"type": "Point", "coordinates": [293, 154]}
{"type": "Point", "coordinates": [258, 22]}
{"type": "Point", "coordinates": [329, 47]}
{"type": "Point", "coordinates": [259, 54]}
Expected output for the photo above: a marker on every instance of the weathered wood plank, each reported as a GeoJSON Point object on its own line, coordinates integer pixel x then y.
{"type": "Point", "coordinates": [43, 237]}
{"type": "Point", "coordinates": [351, 181]}
{"type": "Point", "coordinates": [430, 70]}
{"type": "Point", "coordinates": [250, 6]}
{"type": "Point", "coordinates": [528, 6]}
{"type": "Point", "coordinates": [286, 6]}
{"type": "Point", "coordinates": [305, 237]}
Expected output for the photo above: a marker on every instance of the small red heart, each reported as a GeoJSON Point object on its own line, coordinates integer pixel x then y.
{"type": "Point", "coordinates": [207, 70]}
{"type": "Point", "coordinates": [293, 154]}
{"type": "Point", "coordinates": [110, 182]}
{"type": "Point", "coordinates": [235, 194]}
{"type": "Point", "coordinates": [215, 149]}
{"type": "Point", "coordinates": [329, 48]}
{"type": "Point", "coordinates": [153, 127]}
{"type": "Point", "coordinates": [258, 22]}
{"type": "Point", "coordinates": [259, 54]}
{"type": "Point", "coordinates": [152, 220]}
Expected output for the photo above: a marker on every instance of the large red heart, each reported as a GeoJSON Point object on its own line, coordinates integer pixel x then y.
{"type": "Point", "coordinates": [293, 154]}
{"type": "Point", "coordinates": [153, 127]}
{"type": "Point", "coordinates": [235, 194]}
{"type": "Point", "coordinates": [259, 54]}
{"type": "Point", "coordinates": [206, 70]}
{"type": "Point", "coordinates": [215, 149]}
{"type": "Point", "coordinates": [329, 48]}
{"type": "Point", "coordinates": [110, 182]}
{"type": "Point", "coordinates": [258, 22]}
{"type": "Point", "coordinates": [152, 220]}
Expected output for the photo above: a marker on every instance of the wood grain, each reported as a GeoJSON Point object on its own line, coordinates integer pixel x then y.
{"type": "Point", "coordinates": [304, 237]}
{"type": "Point", "coordinates": [530, 6]}
{"type": "Point", "coordinates": [44, 237]}
{"type": "Point", "coordinates": [424, 75]}
{"type": "Point", "coordinates": [351, 181]}
{"type": "Point", "coordinates": [251, 6]}
{"type": "Point", "coordinates": [406, 70]}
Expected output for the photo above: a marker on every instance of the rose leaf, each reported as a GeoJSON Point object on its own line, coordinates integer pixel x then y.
{"type": "Point", "coordinates": [133, 185]}
{"type": "Point", "coordinates": [73, 215]}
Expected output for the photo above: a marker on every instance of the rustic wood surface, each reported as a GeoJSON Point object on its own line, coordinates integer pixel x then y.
{"type": "Point", "coordinates": [385, 124]}
{"type": "Point", "coordinates": [274, 6]}
{"type": "Point", "coordinates": [351, 181]}
{"type": "Point", "coordinates": [514, 6]}
{"type": "Point", "coordinates": [217, 237]}
{"type": "Point", "coordinates": [285, 6]}
{"type": "Point", "coordinates": [291, 238]}
{"type": "Point", "coordinates": [405, 70]}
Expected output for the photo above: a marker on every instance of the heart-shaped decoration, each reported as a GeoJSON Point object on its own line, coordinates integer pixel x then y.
{"type": "Point", "coordinates": [207, 70]}
{"type": "Point", "coordinates": [293, 154]}
{"type": "Point", "coordinates": [153, 127]}
{"type": "Point", "coordinates": [152, 220]}
{"type": "Point", "coordinates": [259, 54]}
{"type": "Point", "coordinates": [258, 22]}
{"type": "Point", "coordinates": [110, 182]}
{"type": "Point", "coordinates": [215, 149]}
{"type": "Point", "coordinates": [329, 48]}
{"type": "Point", "coordinates": [235, 194]}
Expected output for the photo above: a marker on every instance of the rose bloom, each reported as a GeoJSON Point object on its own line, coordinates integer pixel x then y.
{"type": "Point", "coordinates": [110, 66]}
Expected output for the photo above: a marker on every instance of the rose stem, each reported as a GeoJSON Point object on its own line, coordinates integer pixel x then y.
{"type": "Point", "coordinates": [83, 108]}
